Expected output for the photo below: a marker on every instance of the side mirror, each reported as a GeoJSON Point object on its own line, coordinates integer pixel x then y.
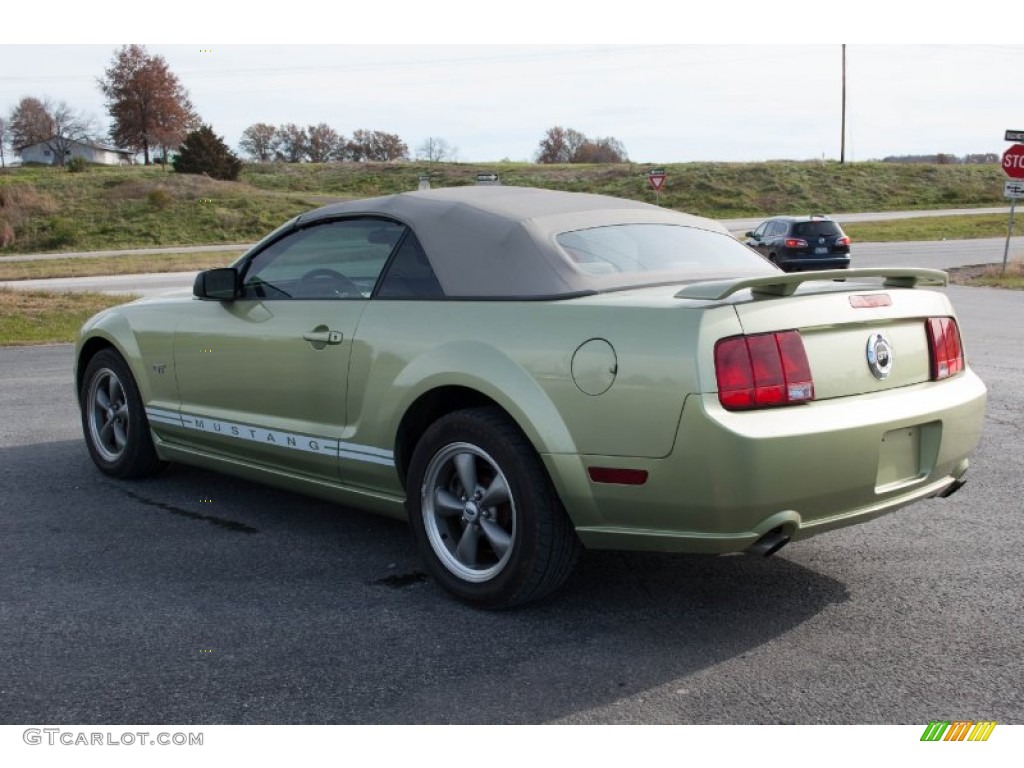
{"type": "Point", "coordinates": [751, 234]}
{"type": "Point", "coordinates": [219, 284]}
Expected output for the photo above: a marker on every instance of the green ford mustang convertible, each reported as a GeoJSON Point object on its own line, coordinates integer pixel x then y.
{"type": "Point", "coordinates": [522, 373]}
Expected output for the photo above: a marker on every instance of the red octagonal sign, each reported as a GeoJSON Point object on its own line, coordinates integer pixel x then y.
{"type": "Point", "coordinates": [1013, 161]}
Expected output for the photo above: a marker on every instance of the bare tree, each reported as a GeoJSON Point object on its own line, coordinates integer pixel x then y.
{"type": "Point", "coordinates": [566, 145]}
{"type": "Point", "coordinates": [436, 150]}
{"type": "Point", "coordinates": [604, 150]}
{"type": "Point", "coordinates": [552, 148]}
{"type": "Point", "coordinates": [3, 141]}
{"type": "Point", "coordinates": [389, 147]}
{"type": "Point", "coordinates": [375, 146]}
{"type": "Point", "coordinates": [259, 141]}
{"type": "Point", "coordinates": [55, 125]}
{"type": "Point", "coordinates": [293, 143]}
{"type": "Point", "coordinates": [574, 142]}
{"type": "Point", "coordinates": [560, 145]}
{"type": "Point", "coordinates": [69, 127]}
{"type": "Point", "coordinates": [359, 147]}
{"type": "Point", "coordinates": [322, 143]}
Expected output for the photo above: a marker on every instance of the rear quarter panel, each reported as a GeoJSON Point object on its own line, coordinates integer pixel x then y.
{"type": "Point", "coordinates": [520, 355]}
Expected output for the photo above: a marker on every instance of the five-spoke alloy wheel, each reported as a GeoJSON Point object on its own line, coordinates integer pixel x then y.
{"type": "Point", "coordinates": [482, 508]}
{"type": "Point", "coordinates": [468, 512]}
{"type": "Point", "coordinates": [114, 420]}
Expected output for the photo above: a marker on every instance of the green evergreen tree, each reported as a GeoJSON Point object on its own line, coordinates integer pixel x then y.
{"type": "Point", "coordinates": [205, 152]}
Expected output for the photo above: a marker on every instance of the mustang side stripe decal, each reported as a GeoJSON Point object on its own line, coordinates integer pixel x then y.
{"type": "Point", "coordinates": [288, 440]}
{"type": "Point", "coordinates": [162, 420]}
{"type": "Point", "coordinates": [366, 457]}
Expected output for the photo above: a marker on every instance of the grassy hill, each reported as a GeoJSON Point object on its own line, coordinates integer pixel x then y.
{"type": "Point", "coordinates": [45, 209]}
{"type": "Point", "coordinates": [717, 190]}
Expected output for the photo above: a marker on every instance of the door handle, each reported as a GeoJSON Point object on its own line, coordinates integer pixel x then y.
{"type": "Point", "coordinates": [321, 337]}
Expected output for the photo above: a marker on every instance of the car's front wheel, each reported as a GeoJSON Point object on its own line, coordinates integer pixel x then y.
{"type": "Point", "coordinates": [114, 419]}
{"type": "Point", "coordinates": [484, 513]}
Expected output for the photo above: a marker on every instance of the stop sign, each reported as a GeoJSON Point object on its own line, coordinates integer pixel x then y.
{"type": "Point", "coordinates": [1013, 161]}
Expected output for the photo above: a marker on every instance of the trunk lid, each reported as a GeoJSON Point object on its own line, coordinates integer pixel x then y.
{"type": "Point", "coordinates": [844, 324]}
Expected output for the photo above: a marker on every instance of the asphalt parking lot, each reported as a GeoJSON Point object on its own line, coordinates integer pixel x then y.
{"type": "Point", "coordinates": [194, 598]}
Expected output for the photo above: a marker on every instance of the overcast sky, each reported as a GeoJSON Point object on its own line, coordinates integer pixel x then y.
{"type": "Point", "coordinates": [665, 102]}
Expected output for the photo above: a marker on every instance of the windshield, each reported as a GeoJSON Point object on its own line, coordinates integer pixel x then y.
{"type": "Point", "coordinates": [650, 253]}
{"type": "Point", "coordinates": [815, 229]}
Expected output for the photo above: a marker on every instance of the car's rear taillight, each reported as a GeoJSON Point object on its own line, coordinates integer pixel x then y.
{"type": "Point", "coordinates": [947, 355]}
{"type": "Point", "coordinates": [843, 241]}
{"type": "Point", "coordinates": [762, 370]}
{"type": "Point", "coordinates": [793, 242]}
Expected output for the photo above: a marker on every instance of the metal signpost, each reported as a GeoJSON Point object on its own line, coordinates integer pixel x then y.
{"type": "Point", "coordinates": [1013, 166]}
{"type": "Point", "coordinates": [656, 178]}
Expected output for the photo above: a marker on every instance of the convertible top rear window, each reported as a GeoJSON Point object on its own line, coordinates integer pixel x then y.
{"type": "Point", "coordinates": [665, 251]}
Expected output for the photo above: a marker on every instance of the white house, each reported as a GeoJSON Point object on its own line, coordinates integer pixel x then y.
{"type": "Point", "coordinates": [88, 150]}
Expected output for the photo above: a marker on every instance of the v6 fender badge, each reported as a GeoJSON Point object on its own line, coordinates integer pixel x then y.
{"type": "Point", "coordinates": [879, 356]}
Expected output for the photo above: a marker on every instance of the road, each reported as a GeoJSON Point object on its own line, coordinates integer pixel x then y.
{"type": "Point", "coordinates": [941, 254]}
{"type": "Point", "coordinates": [194, 598]}
{"type": "Point", "coordinates": [742, 225]}
{"type": "Point", "coordinates": [139, 285]}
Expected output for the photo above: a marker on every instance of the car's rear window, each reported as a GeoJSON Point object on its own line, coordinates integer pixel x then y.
{"type": "Point", "coordinates": [655, 252]}
{"type": "Point", "coordinates": [816, 229]}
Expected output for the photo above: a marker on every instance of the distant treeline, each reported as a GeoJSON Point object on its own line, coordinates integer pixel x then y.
{"type": "Point", "coordinates": [944, 159]}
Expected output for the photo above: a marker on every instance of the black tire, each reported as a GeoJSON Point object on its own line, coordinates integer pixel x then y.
{"type": "Point", "coordinates": [517, 549]}
{"type": "Point", "coordinates": [114, 419]}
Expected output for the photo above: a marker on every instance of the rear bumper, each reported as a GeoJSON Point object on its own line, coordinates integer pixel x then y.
{"type": "Point", "coordinates": [809, 263]}
{"type": "Point", "coordinates": [732, 477]}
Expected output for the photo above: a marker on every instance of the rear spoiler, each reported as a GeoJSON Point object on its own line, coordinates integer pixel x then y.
{"type": "Point", "coordinates": [786, 284]}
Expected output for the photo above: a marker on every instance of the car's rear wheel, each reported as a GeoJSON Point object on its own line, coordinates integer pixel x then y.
{"type": "Point", "coordinates": [114, 419]}
{"type": "Point", "coordinates": [484, 513]}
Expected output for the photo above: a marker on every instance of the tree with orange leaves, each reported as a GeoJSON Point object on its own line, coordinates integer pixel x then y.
{"type": "Point", "coordinates": [148, 105]}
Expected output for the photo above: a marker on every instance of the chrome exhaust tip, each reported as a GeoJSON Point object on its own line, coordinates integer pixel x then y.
{"type": "Point", "coordinates": [769, 544]}
{"type": "Point", "coordinates": [952, 488]}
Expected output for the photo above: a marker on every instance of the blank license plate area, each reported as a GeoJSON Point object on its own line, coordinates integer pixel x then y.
{"type": "Point", "coordinates": [899, 458]}
{"type": "Point", "coordinates": [820, 251]}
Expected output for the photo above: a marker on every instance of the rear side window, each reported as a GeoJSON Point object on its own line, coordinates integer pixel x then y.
{"type": "Point", "coordinates": [807, 229]}
{"type": "Point", "coordinates": [409, 275]}
{"type": "Point", "coordinates": [659, 252]}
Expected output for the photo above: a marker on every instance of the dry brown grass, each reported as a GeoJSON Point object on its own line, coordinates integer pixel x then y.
{"type": "Point", "coordinates": [991, 275]}
{"type": "Point", "coordinates": [18, 200]}
{"type": "Point", "coordinates": [178, 187]}
{"type": "Point", "coordinates": [18, 203]}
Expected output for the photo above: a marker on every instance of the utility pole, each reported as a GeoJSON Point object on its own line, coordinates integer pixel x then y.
{"type": "Point", "coordinates": [842, 140]}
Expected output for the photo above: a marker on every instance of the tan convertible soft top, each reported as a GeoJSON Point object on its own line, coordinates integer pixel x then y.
{"type": "Point", "coordinates": [499, 242]}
